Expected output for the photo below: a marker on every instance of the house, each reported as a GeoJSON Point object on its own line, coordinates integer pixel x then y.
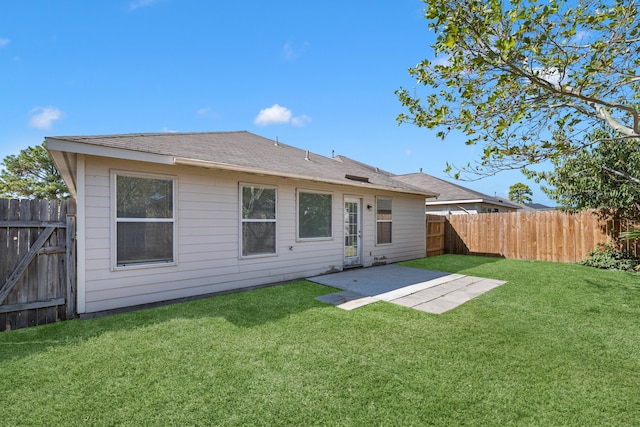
{"type": "Point", "coordinates": [173, 215]}
{"type": "Point", "coordinates": [537, 207]}
{"type": "Point", "coordinates": [456, 199]}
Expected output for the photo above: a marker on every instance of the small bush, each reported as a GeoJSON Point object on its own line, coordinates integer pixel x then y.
{"type": "Point", "coordinates": [611, 258]}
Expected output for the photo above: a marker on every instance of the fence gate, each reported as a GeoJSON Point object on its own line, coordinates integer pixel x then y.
{"type": "Point", "coordinates": [37, 262]}
{"type": "Point", "coordinates": [435, 235]}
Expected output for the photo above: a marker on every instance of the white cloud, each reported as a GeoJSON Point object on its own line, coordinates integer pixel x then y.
{"type": "Point", "coordinates": [580, 37]}
{"type": "Point", "coordinates": [4, 42]}
{"type": "Point", "coordinates": [290, 51]}
{"type": "Point", "coordinates": [408, 152]}
{"type": "Point", "coordinates": [43, 117]}
{"type": "Point", "coordinates": [141, 3]}
{"type": "Point", "coordinates": [207, 112]}
{"type": "Point", "coordinates": [204, 111]}
{"type": "Point", "coordinates": [443, 60]}
{"type": "Point", "coordinates": [273, 115]}
{"type": "Point", "coordinates": [300, 120]}
{"type": "Point", "coordinates": [552, 75]}
{"type": "Point", "coordinates": [277, 114]}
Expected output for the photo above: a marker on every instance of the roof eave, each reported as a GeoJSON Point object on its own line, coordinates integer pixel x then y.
{"type": "Point", "coordinates": [63, 146]}
{"type": "Point", "coordinates": [66, 163]}
{"type": "Point", "coordinates": [58, 144]}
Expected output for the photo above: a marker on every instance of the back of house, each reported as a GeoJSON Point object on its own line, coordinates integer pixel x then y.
{"type": "Point", "coordinates": [175, 215]}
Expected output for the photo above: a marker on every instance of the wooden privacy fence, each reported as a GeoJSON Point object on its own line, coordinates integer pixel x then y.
{"type": "Point", "coordinates": [537, 235]}
{"type": "Point", "coordinates": [435, 235]}
{"type": "Point", "coordinates": [37, 262]}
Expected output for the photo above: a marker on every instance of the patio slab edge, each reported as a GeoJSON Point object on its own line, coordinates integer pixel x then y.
{"type": "Point", "coordinates": [435, 296]}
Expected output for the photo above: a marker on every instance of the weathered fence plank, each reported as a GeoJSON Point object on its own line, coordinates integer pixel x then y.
{"type": "Point", "coordinates": [35, 284]}
{"type": "Point", "coordinates": [4, 243]}
{"type": "Point", "coordinates": [70, 258]}
{"type": "Point", "coordinates": [18, 271]}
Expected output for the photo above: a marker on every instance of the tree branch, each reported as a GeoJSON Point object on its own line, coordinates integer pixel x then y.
{"type": "Point", "coordinates": [621, 174]}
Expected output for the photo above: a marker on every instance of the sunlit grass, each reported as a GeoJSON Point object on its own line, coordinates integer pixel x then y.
{"type": "Point", "coordinates": [557, 345]}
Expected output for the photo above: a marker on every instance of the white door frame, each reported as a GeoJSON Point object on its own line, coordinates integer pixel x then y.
{"type": "Point", "coordinates": [352, 232]}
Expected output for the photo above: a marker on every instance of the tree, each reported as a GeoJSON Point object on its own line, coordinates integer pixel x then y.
{"type": "Point", "coordinates": [520, 193]}
{"type": "Point", "coordinates": [31, 174]}
{"type": "Point", "coordinates": [528, 80]}
{"type": "Point", "coordinates": [600, 177]}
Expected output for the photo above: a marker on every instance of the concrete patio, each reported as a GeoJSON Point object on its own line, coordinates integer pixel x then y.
{"type": "Point", "coordinates": [431, 291]}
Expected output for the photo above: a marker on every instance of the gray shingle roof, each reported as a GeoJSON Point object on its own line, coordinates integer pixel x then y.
{"type": "Point", "coordinates": [537, 207]}
{"type": "Point", "coordinates": [448, 191]}
{"type": "Point", "coordinates": [246, 150]}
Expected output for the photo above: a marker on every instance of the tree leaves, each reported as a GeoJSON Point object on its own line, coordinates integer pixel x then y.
{"type": "Point", "coordinates": [32, 174]}
{"type": "Point", "coordinates": [601, 177]}
{"type": "Point", "coordinates": [520, 193]}
{"type": "Point", "coordinates": [529, 79]}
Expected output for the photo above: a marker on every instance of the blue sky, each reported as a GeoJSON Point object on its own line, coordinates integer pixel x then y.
{"type": "Point", "coordinates": [317, 75]}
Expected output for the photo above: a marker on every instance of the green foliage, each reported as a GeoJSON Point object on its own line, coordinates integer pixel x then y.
{"type": "Point", "coordinates": [31, 174]}
{"type": "Point", "coordinates": [610, 258]}
{"type": "Point", "coordinates": [527, 79]}
{"type": "Point", "coordinates": [600, 177]}
{"type": "Point", "coordinates": [520, 193]}
{"type": "Point", "coordinates": [632, 234]}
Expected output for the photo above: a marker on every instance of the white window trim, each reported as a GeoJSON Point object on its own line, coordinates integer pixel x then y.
{"type": "Point", "coordinates": [383, 220]}
{"type": "Point", "coordinates": [312, 239]}
{"type": "Point", "coordinates": [114, 220]}
{"type": "Point", "coordinates": [242, 220]}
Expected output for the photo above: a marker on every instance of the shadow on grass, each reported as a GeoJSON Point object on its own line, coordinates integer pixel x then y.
{"type": "Point", "coordinates": [243, 309]}
{"type": "Point", "coordinates": [605, 286]}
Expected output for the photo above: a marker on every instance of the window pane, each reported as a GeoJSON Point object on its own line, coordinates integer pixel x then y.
{"type": "Point", "coordinates": [383, 220]}
{"type": "Point", "coordinates": [384, 209]}
{"type": "Point", "coordinates": [258, 203]}
{"type": "Point", "coordinates": [314, 215]}
{"type": "Point", "coordinates": [384, 232]}
{"type": "Point", "coordinates": [258, 238]}
{"type": "Point", "coordinates": [144, 242]}
{"type": "Point", "coordinates": [144, 197]}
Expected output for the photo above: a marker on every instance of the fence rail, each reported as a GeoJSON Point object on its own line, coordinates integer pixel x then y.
{"type": "Point", "coordinates": [537, 235]}
{"type": "Point", "coordinates": [37, 262]}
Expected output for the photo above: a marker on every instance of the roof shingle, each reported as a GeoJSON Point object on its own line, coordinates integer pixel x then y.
{"type": "Point", "coordinates": [448, 191]}
{"type": "Point", "coordinates": [247, 150]}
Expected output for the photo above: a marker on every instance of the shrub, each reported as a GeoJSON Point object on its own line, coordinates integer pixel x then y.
{"type": "Point", "coordinates": [611, 258]}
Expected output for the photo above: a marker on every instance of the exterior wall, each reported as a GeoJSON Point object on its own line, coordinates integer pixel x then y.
{"type": "Point", "coordinates": [207, 234]}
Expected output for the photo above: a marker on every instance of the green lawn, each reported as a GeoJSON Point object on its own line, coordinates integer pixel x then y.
{"type": "Point", "coordinates": [558, 344]}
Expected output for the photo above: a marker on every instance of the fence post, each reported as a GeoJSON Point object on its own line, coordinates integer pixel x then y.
{"type": "Point", "coordinates": [70, 259]}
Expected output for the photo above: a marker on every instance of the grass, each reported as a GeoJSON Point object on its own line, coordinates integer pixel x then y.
{"type": "Point", "coordinates": [558, 344]}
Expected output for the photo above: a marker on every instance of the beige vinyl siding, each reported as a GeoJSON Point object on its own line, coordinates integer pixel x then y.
{"type": "Point", "coordinates": [207, 236]}
{"type": "Point", "coordinates": [409, 232]}
{"type": "Point", "coordinates": [410, 228]}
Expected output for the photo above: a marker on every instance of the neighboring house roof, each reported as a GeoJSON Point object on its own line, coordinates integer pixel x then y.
{"type": "Point", "coordinates": [236, 151]}
{"type": "Point", "coordinates": [537, 207]}
{"type": "Point", "coordinates": [452, 193]}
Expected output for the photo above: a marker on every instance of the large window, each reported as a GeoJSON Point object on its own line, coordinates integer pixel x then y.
{"type": "Point", "coordinates": [314, 215]}
{"type": "Point", "coordinates": [383, 220]}
{"type": "Point", "coordinates": [258, 220]}
{"type": "Point", "coordinates": [145, 219]}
